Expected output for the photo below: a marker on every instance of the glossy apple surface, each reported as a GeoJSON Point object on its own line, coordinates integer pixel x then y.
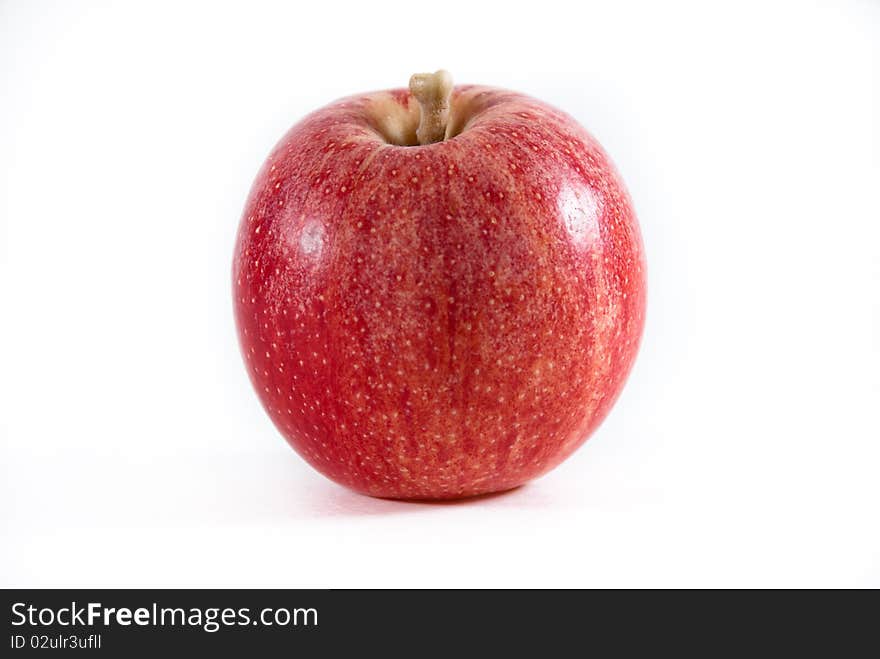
{"type": "Point", "coordinates": [442, 320]}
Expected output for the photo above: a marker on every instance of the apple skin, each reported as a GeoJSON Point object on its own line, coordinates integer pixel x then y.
{"type": "Point", "coordinates": [438, 321]}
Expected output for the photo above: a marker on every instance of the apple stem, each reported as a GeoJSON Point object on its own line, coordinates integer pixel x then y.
{"type": "Point", "coordinates": [432, 91]}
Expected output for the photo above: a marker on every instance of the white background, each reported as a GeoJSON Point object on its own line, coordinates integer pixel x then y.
{"type": "Point", "coordinates": [745, 450]}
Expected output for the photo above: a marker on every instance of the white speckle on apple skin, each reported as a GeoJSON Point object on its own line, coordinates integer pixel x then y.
{"type": "Point", "coordinates": [311, 241]}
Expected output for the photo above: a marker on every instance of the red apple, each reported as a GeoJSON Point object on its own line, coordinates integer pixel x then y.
{"type": "Point", "coordinates": [439, 292]}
